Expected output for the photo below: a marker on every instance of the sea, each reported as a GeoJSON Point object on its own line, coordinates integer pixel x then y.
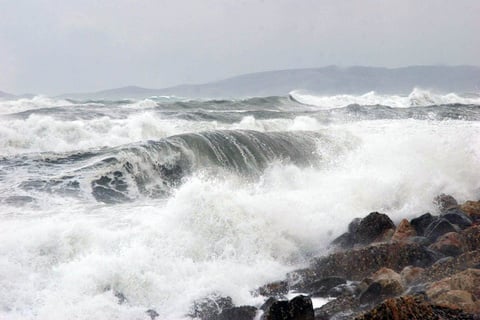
{"type": "Point", "coordinates": [112, 208]}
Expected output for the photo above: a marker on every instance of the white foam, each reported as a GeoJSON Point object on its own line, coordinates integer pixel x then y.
{"type": "Point", "coordinates": [24, 104]}
{"type": "Point", "coordinates": [59, 257]}
{"type": "Point", "coordinates": [417, 98]}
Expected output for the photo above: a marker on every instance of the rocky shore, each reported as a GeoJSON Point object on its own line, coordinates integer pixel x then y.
{"type": "Point", "coordinates": [424, 268]}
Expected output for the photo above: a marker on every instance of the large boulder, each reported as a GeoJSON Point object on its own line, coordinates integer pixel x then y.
{"type": "Point", "coordinates": [238, 313]}
{"type": "Point", "coordinates": [445, 202]}
{"type": "Point", "coordinates": [404, 231]}
{"type": "Point", "coordinates": [322, 287]}
{"type": "Point", "coordinates": [412, 307]}
{"type": "Point", "coordinates": [461, 290]}
{"type": "Point", "coordinates": [472, 209]}
{"type": "Point", "coordinates": [449, 244]}
{"type": "Point", "coordinates": [457, 217]}
{"type": "Point", "coordinates": [276, 289]}
{"type": "Point", "coordinates": [438, 228]}
{"type": "Point", "coordinates": [375, 227]}
{"type": "Point", "coordinates": [471, 237]}
{"type": "Point", "coordinates": [356, 264]}
{"type": "Point", "coordinates": [372, 228]}
{"type": "Point", "coordinates": [299, 308]}
{"type": "Point", "coordinates": [420, 224]}
{"type": "Point", "coordinates": [451, 266]}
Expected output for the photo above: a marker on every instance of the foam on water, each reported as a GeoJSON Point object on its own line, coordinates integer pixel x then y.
{"type": "Point", "coordinates": [19, 105]}
{"type": "Point", "coordinates": [66, 258]}
{"type": "Point", "coordinates": [417, 98]}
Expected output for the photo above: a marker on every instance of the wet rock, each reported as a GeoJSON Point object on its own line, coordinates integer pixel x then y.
{"type": "Point", "coordinates": [340, 308]}
{"type": "Point", "coordinates": [468, 280]}
{"type": "Point", "coordinates": [386, 273]}
{"type": "Point", "coordinates": [449, 244]}
{"type": "Point", "coordinates": [411, 274]}
{"type": "Point", "coordinates": [423, 241]}
{"type": "Point", "coordinates": [210, 307]}
{"type": "Point", "coordinates": [152, 314]}
{"type": "Point", "coordinates": [412, 307]}
{"type": "Point", "coordinates": [472, 209]}
{"type": "Point", "coordinates": [445, 202]}
{"type": "Point", "coordinates": [279, 310]}
{"type": "Point", "coordinates": [404, 231]}
{"type": "Point", "coordinates": [457, 217]}
{"type": "Point", "coordinates": [274, 289]}
{"type": "Point", "coordinates": [299, 308]}
{"type": "Point", "coordinates": [458, 299]}
{"type": "Point", "coordinates": [386, 283]}
{"type": "Point", "coordinates": [451, 266]}
{"type": "Point", "coordinates": [268, 303]}
{"type": "Point", "coordinates": [238, 313]}
{"type": "Point", "coordinates": [372, 227]}
{"type": "Point", "coordinates": [421, 223]}
{"type": "Point", "coordinates": [471, 238]}
{"type": "Point", "coordinates": [461, 290]}
{"type": "Point", "coordinates": [347, 289]}
{"type": "Point", "coordinates": [320, 288]}
{"type": "Point", "coordinates": [359, 263]}
{"type": "Point", "coordinates": [438, 228]}
{"type": "Point", "coordinates": [344, 241]}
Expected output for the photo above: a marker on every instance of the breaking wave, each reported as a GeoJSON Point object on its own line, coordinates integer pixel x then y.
{"type": "Point", "coordinates": [417, 98]}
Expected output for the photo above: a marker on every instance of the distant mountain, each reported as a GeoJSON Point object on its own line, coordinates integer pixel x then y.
{"type": "Point", "coordinates": [327, 80]}
{"type": "Point", "coordinates": [4, 95]}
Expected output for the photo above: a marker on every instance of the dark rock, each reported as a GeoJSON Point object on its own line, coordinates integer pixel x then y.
{"type": "Point", "coordinates": [372, 227]}
{"type": "Point", "coordinates": [449, 244]}
{"type": "Point", "coordinates": [372, 294]}
{"type": "Point", "coordinates": [268, 303]}
{"type": "Point", "coordinates": [210, 307]}
{"type": "Point", "coordinates": [238, 313]}
{"type": "Point", "coordinates": [359, 263]}
{"type": "Point", "coordinates": [320, 288]}
{"type": "Point", "coordinates": [380, 290]}
{"type": "Point", "coordinates": [274, 289]}
{"type": "Point", "coordinates": [451, 266]}
{"type": "Point", "coordinates": [438, 228]}
{"type": "Point", "coordinates": [301, 308]}
{"type": "Point", "coordinates": [279, 310]}
{"type": "Point", "coordinates": [353, 225]}
{"type": "Point", "coordinates": [344, 241]}
{"type": "Point", "coordinates": [423, 241]}
{"type": "Point", "coordinates": [340, 308]}
{"type": "Point", "coordinates": [421, 223]}
{"type": "Point", "coordinates": [152, 314]}
{"type": "Point", "coordinates": [472, 209]}
{"type": "Point", "coordinates": [471, 237]}
{"type": "Point", "coordinates": [458, 217]}
{"type": "Point", "coordinates": [412, 307]}
{"type": "Point", "coordinates": [445, 202]}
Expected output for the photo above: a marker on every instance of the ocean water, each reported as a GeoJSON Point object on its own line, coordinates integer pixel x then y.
{"type": "Point", "coordinates": [166, 200]}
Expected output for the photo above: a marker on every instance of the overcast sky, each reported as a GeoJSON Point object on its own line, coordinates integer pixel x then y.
{"type": "Point", "coordinates": [58, 46]}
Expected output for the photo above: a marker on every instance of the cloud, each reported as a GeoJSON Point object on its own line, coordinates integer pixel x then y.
{"type": "Point", "coordinates": [88, 45]}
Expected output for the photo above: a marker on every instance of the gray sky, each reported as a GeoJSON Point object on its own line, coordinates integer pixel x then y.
{"type": "Point", "coordinates": [57, 46]}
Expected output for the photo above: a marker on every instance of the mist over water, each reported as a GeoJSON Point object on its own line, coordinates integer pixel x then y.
{"type": "Point", "coordinates": [167, 200]}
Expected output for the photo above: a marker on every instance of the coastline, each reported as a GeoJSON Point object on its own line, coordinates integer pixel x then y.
{"type": "Point", "coordinates": [424, 268]}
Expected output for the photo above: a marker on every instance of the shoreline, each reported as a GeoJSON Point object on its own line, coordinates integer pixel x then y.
{"type": "Point", "coordinates": [424, 268]}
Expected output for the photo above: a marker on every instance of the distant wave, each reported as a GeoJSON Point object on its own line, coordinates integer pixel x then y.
{"type": "Point", "coordinates": [417, 98]}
